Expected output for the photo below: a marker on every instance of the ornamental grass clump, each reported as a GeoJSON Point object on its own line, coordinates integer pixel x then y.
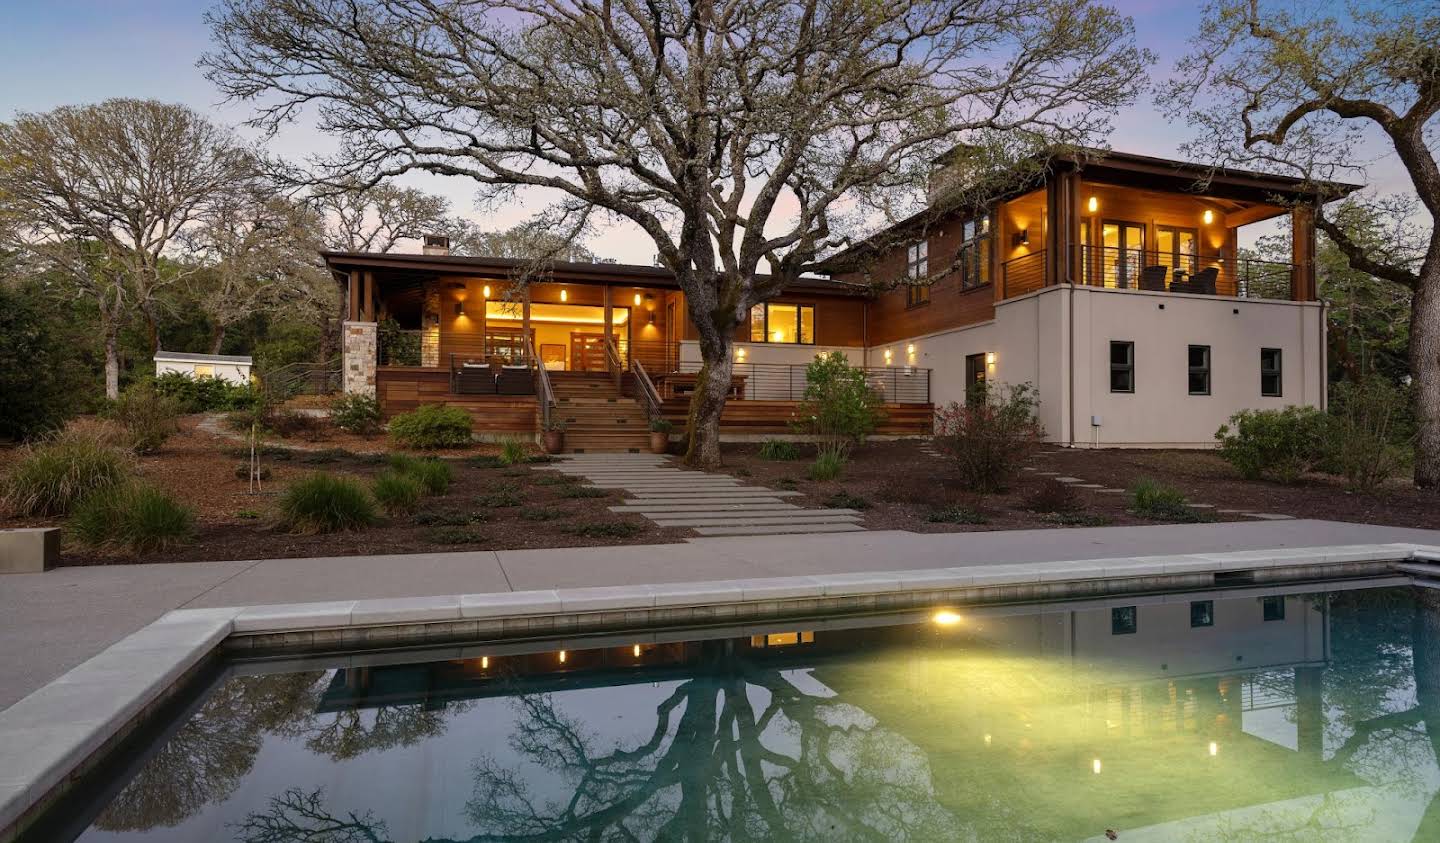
{"type": "Point", "coordinates": [778, 449]}
{"type": "Point", "coordinates": [828, 465]}
{"type": "Point", "coordinates": [133, 516]}
{"type": "Point", "coordinates": [52, 476]}
{"type": "Point", "coordinates": [433, 426]}
{"type": "Point", "coordinates": [433, 475]}
{"type": "Point", "coordinates": [512, 452]}
{"type": "Point", "coordinates": [396, 493]}
{"type": "Point", "coordinates": [325, 503]}
{"type": "Point", "coordinates": [1159, 502]}
{"type": "Point", "coordinates": [991, 435]}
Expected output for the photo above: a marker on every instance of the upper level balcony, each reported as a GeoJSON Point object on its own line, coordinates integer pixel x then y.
{"type": "Point", "coordinates": [1115, 268]}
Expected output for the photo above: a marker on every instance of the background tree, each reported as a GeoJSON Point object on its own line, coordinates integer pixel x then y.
{"type": "Point", "coordinates": [260, 253]}
{"type": "Point", "coordinates": [101, 192]}
{"type": "Point", "coordinates": [43, 377]}
{"type": "Point", "coordinates": [1298, 87]}
{"type": "Point", "coordinates": [730, 134]}
{"type": "Point", "coordinates": [527, 241]}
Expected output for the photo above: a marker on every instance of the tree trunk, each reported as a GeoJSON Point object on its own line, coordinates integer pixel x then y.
{"type": "Point", "coordinates": [112, 362]}
{"type": "Point", "coordinates": [1425, 367]}
{"type": "Point", "coordinates": [217, 337]}
{"type": "Point", "coordinates": [152, 329]}
{"type": "Point", "coordinates": [712, 387]}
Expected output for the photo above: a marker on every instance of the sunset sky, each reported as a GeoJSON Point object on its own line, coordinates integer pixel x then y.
{"type": "Point", "coordinates": [59, 52]}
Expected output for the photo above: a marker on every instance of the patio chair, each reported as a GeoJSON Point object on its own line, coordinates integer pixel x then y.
{"type": "Point", "coordinates": [1203, 282]}
{"type": "Point", "coordinates": [1153, 278]}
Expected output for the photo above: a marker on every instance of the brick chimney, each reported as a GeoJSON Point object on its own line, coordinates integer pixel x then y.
{"type": "Point", "coordinates": [436, 244]}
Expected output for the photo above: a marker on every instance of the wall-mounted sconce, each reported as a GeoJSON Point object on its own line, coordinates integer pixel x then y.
{"type": "Point", "coordinates": [649, 301]}
{"type": "Point", "coordinates": [459, 308]}
{"type": "Point", "coordinates": [1208, 216]}
{"type": "Point", "coordinates": [1093, 205]}
{"type": "Point", "coordinates": [910, 354]}
{"type": "Point", "coordinates": [485, 291]}
{"type": "Point", "coordinates": [564, 295]}
{"type": "Point", "coordinates": [637, 299]}
{"type": "Point", "coordinates": [889, 355]}
{"type": "Point", "coordinates": [989, 359]}
{"type": "Point", "coordinates": [1021, 237]}
{"type": "Point", "coordinates": [739, 354]}
{"type": "Point", "coordinates": [652, 317]}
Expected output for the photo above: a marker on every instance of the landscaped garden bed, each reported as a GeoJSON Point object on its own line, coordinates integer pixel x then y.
{"type": "Point", "coordinates": [898, 486]}
{"type": "Point", "coordinates": [488, 505]}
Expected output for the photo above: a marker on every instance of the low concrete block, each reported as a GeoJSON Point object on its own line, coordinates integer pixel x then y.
{"type": "Point", "coordinates": [29, 550]}
{"type": "Point", "coordinates": [779, 530]}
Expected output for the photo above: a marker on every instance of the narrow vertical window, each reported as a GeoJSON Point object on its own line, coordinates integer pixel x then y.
{"type": "Point", "coordinates": [1122, 366]}
{"type": "Point", "coordinates": [1199, 370]}
{"type": "Point", "coordinates": [974, 257]}
{"type": "Point", "coordinates": [917, 268]}
{"type": "Point", "coordinates": [1270, 381]}
{"type": "Point", "coordinates": [757, 323]}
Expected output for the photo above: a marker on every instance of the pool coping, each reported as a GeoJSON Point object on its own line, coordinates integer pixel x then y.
{"type": "Point", "coordinates": [53, 736]}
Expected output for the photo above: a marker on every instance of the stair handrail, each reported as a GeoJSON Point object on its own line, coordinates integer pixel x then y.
{"type": "Point", "coordinates": [613, 363]}
{"type": "Point", "coordinates": [648, 394]}
{"type": "Point", "coordinates": [542, 383]}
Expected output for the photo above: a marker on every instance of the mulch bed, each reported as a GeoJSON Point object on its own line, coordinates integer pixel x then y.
{"type": "Point", "coordinates": [905, 488]}
{"type": "Point", "coordinates": [200, 470]}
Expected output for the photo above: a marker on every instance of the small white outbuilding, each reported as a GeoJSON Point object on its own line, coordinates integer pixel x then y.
{"type": "Point", "coordinates": [234, 368]}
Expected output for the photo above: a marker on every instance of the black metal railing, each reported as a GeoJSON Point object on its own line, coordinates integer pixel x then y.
{"type": "Point", "coordinates": [1161, 272]}
{"type": "Point", "coordinates": [1022, 275]}
{"type": "Point", "coordinates": [787, 382]}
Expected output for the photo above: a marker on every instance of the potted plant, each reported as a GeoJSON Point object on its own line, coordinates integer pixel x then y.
{"type": "Point", "coordinates": [660, 435]}
{"type": "Point", "coordinates": [554, 436]}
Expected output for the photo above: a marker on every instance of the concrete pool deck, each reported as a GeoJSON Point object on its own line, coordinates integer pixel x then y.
{"type": "Point", "coordinates": [57, 734]}
{"type": "Point", "coordinates": [53, 621]}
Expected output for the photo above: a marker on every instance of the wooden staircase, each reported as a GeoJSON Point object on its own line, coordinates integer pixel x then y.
{"type": "Point", "coordinates": [597, 417]}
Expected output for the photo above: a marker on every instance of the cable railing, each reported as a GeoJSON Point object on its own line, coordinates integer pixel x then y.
{"type": "Point", "coordinates": [1022, 275]}
{"type": "Point", "coordinates": [787, 382]}
{"type": "Point", "coordinates": [1164, 272]}
{"type": "Point", "coordinates": [543, 390]}
{"type": "Point", "coordinates": [613, 364]}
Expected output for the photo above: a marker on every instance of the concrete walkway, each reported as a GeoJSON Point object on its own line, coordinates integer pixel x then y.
{"type": "Point", "coordinates": [53, 621]}
{"type": "Point", "coordinates": [710, 504]}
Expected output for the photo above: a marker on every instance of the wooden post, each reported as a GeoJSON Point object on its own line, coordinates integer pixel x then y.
{"type": "Point", "coordinates": [352, 288]}
{"type": "Point", "coordinates": [1302, 250]}
{"type": "Point", "coordinates": [609, 315]}
{"type": "Point", "coordinates": [525, 324]}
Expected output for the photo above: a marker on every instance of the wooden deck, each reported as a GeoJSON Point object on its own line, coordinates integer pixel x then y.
{"type": "Point", "coordinates": [770, 417]}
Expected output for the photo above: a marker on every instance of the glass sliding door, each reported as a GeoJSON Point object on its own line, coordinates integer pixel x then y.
{"type": "Point", "coordinates": [1123, 253]}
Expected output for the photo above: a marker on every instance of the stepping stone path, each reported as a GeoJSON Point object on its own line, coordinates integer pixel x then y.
{"type": "Point", "coordinates": [710, 504]}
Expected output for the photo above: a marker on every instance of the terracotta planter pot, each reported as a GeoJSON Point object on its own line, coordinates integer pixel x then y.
{"type": "Point", "coordinates": [554, 441]}
{"type": "Point", "coordinates": [659, 442]}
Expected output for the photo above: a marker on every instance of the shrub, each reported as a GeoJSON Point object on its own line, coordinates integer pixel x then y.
{"type": "Point", "coordinates": [777, 449]}
{"type": "Point", "coordinates": [540, 513]}
{"type": "Point", "coordinates": [448, 518]}
{"type": "Point", "coordinates": [455, 535]}
{"type": "Point", "coordinates": [148, 417]}
{"type": "Point", "coordinates": [661, 426]}
{"type": "Point", "coordinates": [1279, 445]}
{"type": "Point", "coordinates": [512, 452]}
{"type": "Point", "coordinates": [828, 465]}
{"type": "Point", "coordinates": [205, 394]}
{"type": "Point", "coordinates": [1150, 499]}
{"type": "Point", "coordinates": [502, 496]}
{"type": "Point", "coordinates": [432, 426]}
{"type": "Point", "coordinates": [325, 503]}
{"type": "Point", "coordinates": [605, 529]}
{"type": "Point", "coordinates": [397, 493]}
{"type": "Point", "coordinates": [433, 475]}
{"type": "Point", "coordinates": [956, 515]}
{"type": "Point", "coordinates": [358, 414]}
{"type": "Point", "coordinates": [989, 437]}
{"type": "Point", "coordinates": [133, 516]}
{"type": "Point", "coordinates": [485, 461]}
{"type": "Point", "coordinates": [1053, 496]}
{"type": "Point", "coordinates": [51, 477]}
{"type": "Point", "coordinates": [1370, 433]}
{"type": "Point", "coordinates": [840, 409]}
{"type": "Point", "coordinates": [584, 492]}
{"type": "Point", "coordinates": [845, 500]}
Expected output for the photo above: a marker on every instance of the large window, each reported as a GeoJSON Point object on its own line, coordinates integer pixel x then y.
{"type": "Point", "coordinates": [783, 323]}
{"type": "Point", "coordinates": [917, 268]}
{"type": "Point", "coordinates": [1270, 382]}
{"type": "Point", "coordinates": [975, 253]}
{"type": "Point", "coordinates": [1199, 370]}
{"type": "Point", "coordinates": [1122, 366]}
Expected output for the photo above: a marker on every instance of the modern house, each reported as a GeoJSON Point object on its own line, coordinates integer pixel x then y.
{"type": "Point", "coordinates": [1114, 284]}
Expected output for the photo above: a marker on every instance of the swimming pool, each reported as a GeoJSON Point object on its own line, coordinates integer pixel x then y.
{"type": "Point", "coordinates": [1230, 715]}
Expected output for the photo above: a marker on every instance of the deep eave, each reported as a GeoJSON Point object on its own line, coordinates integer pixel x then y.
{"type": "Point", "coordinates": [614, 274]}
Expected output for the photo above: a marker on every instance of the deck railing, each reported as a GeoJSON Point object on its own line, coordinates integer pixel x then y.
{"type": "Point", "coordinates": [544, 394]}
{"type": "Point", "coordinates": [1022, 275]}
{"type": "Point", "coordinates": [1208, 275]}
{"type": "Point", "coordinates": [787, 382]}
{"type": "Point", "coordinates": [645, 389]}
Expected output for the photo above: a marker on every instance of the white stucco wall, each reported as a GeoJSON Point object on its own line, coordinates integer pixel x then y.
{"type": "Point", "coordinates": [772, 353]}
{"type": "Point", "coordinates": [1031, 339]}
{"type": "Point", "coordinates": [233, 372]}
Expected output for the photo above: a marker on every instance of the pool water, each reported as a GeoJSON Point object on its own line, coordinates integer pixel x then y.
{"type": "Point", "coordinates": [1232, 716]}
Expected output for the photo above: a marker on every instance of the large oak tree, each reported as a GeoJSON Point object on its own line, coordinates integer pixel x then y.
{"type": "Point", "coordinates": [737, 135]}
{"type": "Point", "coordinates": [1302, 88]}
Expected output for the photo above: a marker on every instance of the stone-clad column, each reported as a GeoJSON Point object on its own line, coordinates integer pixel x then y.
{"type": "Point", "coordinates": [360, 353]}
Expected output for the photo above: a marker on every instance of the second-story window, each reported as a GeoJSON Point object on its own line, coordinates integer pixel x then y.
{"type": "Point", "coordinates": [975, 253]}
{"type": "Point", "coordinates": [917, 268]}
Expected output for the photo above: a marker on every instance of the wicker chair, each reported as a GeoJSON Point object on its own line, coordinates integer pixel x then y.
{"type": "Point", "coordinates": [1153, 278]}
